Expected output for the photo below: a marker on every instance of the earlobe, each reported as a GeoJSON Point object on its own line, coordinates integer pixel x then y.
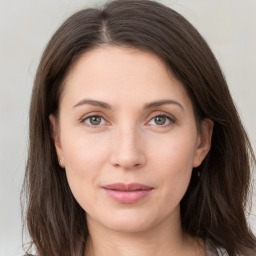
{"type": "Point", "coordinates": [56, 138]}
{"type": "Point", "coordinates": [203, 142]}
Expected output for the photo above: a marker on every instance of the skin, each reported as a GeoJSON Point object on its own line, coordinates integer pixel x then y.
{"type": "Point", "coordinates": [156, 145]}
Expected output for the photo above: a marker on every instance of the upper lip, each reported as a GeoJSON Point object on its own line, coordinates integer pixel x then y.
{"type": "Point", "coordinates": [127, 187]}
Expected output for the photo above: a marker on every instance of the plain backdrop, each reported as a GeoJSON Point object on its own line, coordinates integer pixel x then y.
{"type": "Point", "coordinates": [27, 25]}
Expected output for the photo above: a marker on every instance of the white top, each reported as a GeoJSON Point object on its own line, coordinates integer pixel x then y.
{"type": "Point", "coordinates": [213, 251]}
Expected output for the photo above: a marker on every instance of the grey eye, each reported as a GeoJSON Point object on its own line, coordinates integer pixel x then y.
{"type": "Point", "coordinates": [160, 120]}
{"type": "Point", "coordinates": [94, 120]}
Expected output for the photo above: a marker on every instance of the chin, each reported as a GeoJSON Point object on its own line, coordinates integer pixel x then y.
{"type": "Point", "coordinates": [129, 227]}
{"type": "Point", "coordinates": [129, 223]}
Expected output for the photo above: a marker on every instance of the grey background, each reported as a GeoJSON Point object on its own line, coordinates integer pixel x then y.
{"type": "Point", "coordinates": [25, 28]}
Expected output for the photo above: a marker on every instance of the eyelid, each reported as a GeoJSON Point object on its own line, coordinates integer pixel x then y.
{"type": "Point", "coordinates": [170, 117]}
{"type": "Point", "coordinates": [82, 120]}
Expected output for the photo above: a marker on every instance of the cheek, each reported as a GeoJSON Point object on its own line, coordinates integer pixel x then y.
{"type": "Point", "coordinates": [84, 161]}
{"type": "Point", "coordinates": [174, 153]}
{"type": "Point", "coordinates": [84, 151]}
{"type": "Point", "coordinates": [174, 162]}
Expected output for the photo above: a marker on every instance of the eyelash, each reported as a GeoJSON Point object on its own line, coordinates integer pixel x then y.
{"type": "Point", "coordinates": [91, 125]}
{"type": "Point", "coordinates": [169, 118]}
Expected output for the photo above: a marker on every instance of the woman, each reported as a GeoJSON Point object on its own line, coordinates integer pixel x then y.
{"type": "Point", "coordinates": [136, 147]}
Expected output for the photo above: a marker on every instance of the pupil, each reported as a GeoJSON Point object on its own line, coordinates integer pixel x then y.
{"type": "Point", "coordinates": [160, 120]}
{"type": "Point", "coordinates": [95, 120]}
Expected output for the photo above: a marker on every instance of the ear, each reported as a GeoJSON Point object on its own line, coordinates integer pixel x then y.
{"type": "Point", "coordinates": [56, 139]}
{"type": "Point", "coordinates": [203, 143]}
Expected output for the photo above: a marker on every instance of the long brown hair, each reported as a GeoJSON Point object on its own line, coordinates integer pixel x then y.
{"type": "Point", "coordinates": [215, 203]}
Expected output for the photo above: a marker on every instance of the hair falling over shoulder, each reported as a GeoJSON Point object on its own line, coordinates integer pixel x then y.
{"type": "Point", "coordinates": [214, 206]}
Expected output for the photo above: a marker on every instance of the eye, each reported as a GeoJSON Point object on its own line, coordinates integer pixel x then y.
{"type": "Point", "coordinates": [160, 120]}
{"type": "Point", "coordinates": [94, 120]}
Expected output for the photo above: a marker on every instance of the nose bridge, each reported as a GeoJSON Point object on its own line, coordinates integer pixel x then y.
{"type": "Point", "coordinates": [128, 149]}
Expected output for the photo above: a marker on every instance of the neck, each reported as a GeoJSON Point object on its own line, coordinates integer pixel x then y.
{"type": "Point", "coordinates": [164, 240]}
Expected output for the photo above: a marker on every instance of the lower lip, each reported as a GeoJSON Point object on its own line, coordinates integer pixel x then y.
{"type": "Point", "coordinates": [127, 197]}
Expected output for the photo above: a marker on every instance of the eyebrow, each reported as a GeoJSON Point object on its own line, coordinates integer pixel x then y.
{"type": "Point", "coordinates": [96, 103]}
{"type": "Point", "coordinates": [107, 106]}
{"type": "Point", "coordinates": [163, 102]}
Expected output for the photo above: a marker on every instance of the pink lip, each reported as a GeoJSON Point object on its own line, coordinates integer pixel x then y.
{"type": "Point", "coordinates": [127, 193]}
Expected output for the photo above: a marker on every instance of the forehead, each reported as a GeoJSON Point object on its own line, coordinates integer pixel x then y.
{"type": "Point", "coordinates": [111, 73]}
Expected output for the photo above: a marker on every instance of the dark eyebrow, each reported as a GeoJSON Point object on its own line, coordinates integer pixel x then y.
{"type": "Point", "coordinates": [93, 102]}
{"type": "Point", "coordinates": [107, 106]}
{"type": "Point", "coordinates": [163, 102]}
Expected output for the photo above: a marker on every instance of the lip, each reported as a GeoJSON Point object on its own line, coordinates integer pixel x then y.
{"type": "Point", "coordinates": [127, 193]}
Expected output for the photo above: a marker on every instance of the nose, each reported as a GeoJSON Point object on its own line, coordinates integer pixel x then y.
{"type": "Point", "coordinates": [128, 151]}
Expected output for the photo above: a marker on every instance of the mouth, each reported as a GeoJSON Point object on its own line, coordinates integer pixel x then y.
{"type": "Point", "coordinates": [127, 193]}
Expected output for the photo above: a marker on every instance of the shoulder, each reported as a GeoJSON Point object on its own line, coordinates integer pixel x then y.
{"type": "Point", "coordinates": [211, 250]}
{"type": "Point", "coordinates": [221, 252]}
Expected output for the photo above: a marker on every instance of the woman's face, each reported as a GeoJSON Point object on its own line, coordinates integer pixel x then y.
{"type": "Point", "coordinates": [127, 138]}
